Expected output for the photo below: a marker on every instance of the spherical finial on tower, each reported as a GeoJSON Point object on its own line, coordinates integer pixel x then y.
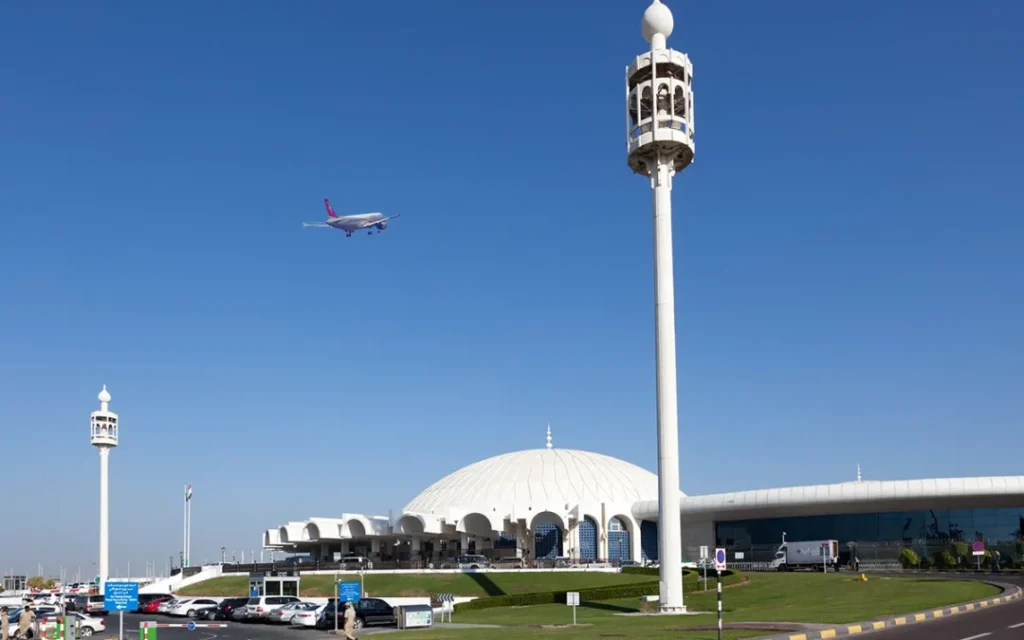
{"type": "Point", "coordinates": [104, 395]}
{"type": "Point", "coordinates": [657, 24]}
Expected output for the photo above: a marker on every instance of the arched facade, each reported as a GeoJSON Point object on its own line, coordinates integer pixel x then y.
{"type": "Point", "coordinates": [548, 535]}
{"type": "Point", "coordinates": [619, 539]}
{"type": "Point", "coordinates": [588, 539]}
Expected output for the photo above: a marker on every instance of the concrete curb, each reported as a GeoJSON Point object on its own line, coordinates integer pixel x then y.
{"type": "Point", "coordinates": [1010, 593]}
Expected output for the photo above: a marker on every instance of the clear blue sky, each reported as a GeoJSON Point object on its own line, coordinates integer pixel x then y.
{"type": "Point", "coordinates": [848, 261]}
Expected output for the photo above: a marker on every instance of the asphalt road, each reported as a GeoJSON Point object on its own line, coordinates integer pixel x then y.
{"type": "Point", "coordinates": [234, 630]}
{"type": "Point", "coordinates": [1003, 622]}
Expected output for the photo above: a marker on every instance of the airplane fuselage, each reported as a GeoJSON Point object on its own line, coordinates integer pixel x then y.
{"type": "Point", "coordinates": [350, 224]}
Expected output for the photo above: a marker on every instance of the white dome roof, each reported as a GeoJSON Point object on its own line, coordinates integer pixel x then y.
{"type": "Point", "coordinates": [535, 480]}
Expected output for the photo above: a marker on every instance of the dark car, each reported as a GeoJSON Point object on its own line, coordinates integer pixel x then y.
{"type": "Point", "coordinates": [369, 611]}
{"type": "Point", "coordinates": [224, 609]}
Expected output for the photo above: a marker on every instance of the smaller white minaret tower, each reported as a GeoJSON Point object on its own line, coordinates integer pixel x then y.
{"type": "Point", "coordinates": [549, 437]}
{"type": "Point", "coordinates": [104, 437]}
{"type": "Point", "coordinates": [858, 473]}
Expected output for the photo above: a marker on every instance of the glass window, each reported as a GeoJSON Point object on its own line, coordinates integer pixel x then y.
{"type": "Point", "coordinates": [291, 588]}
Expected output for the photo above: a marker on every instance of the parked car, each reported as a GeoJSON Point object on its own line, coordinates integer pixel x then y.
{"type": "Point", "coordinates": [283, 615]}
{"type": "Point", "coordinates": [90, 605]}
{"type": "Point", "coordinates": [224, 609]}
{"type": "Point", "coordinates": [87, 625]}
{"type": "Point", "coordinates": [473, 562]}
{"type": "Point", "coordinates": [369, 611]}
{"type": "Point", "coordinates": [166, 605]}
{"type": "Point", "coordinates": [308, 617]}
{"type": "Point", "coordinates": [153, 606]}
{"type": "Point", "coordinates": [356, 562]}
{"type": "Point", "coordinates": [149, 597]}
{"type": "Point", "coordinates": [259, 608]}
{"type": "Point", "coordinates": [241, 613]}
{"type": "Point", "coordinates": [188, 607]}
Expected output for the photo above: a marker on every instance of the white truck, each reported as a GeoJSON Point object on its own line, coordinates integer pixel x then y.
{"type": "Point", "coordinates": [806, 554]}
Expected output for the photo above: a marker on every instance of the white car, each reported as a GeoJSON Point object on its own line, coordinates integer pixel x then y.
{"type": "Point", "coordinates": [165, 606]}
{"type": "Point", "coordinates": [284, 615]}
{"type": "Point", "coordinates": [259, 608]}
{"type": "Point", "coordinates": [307, 617]}
{"type": "Point", "coordinates": [187, 607]}
{"type": "Point", "coordinates": [87, 625]}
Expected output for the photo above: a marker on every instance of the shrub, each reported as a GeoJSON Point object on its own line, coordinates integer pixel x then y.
{"type": "Point", "coordinates": [945, 560]}
{"type": "Point", "coordinates": [908, 558]}
{"type": "Point", "coordinates": [926, 563]}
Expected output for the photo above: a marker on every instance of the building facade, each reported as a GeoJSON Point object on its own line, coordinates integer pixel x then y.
{"type": "Point", "coordinates": [547, 504]}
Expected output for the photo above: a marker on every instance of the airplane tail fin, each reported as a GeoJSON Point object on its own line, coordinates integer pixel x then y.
{"type": "Point", "coordinates": [330, 209]}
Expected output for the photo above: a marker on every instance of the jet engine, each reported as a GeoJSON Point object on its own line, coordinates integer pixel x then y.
{"type": "Point", "coordinates": [382, 225]}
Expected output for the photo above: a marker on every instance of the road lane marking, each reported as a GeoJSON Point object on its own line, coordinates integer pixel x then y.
{"type": "Point", "coordinates": [1016, 626]}
{"type": "Point", "coordinates": [980, 635]}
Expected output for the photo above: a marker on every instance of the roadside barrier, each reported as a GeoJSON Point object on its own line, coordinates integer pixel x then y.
{"type": "Point", "coordinates": [147, 630]}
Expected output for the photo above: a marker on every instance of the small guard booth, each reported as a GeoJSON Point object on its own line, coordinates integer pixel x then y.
{"type": "Point", "coordinates": [274, 583]}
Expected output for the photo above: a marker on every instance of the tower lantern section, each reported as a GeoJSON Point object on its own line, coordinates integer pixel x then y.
{"type": "Point", "coordinates": [659, 100]}
{"type": "Point", "coordinates": [104, 423]}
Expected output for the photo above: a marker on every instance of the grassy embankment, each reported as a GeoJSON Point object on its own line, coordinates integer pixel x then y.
{"type": "Point", "coordinates": [408, 585]}
{"type": "Point", "coordinates": [765, 598]}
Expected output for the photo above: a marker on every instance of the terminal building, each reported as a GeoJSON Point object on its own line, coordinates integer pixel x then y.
{"type": "Point", "coordinates": [582, 506]}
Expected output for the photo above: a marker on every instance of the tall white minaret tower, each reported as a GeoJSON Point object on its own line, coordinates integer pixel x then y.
{"type": "Point", "coordinates": [104, 438]}
{"type": "Point", "coordinates": [659, 143]}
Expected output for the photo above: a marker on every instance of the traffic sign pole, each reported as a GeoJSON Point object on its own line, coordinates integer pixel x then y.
{"type": "Point", "coordinates": [719, 605]}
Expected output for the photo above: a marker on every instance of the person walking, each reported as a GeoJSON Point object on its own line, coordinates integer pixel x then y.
{"type": "Point", "coordinates": [25, 621]}
{"type": "Point", "coordinates": [5, 624]}
{"type": "Point", "coordinates": [350, 621]}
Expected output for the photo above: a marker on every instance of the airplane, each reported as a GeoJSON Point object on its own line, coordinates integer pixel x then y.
{"type": "Point", "coordinates": [352, 222]}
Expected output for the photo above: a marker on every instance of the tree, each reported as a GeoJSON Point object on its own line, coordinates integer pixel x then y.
{"type": "Point", "coordinates": [39, 582]}
{"type": "Point", "coordinates": [960, 550]}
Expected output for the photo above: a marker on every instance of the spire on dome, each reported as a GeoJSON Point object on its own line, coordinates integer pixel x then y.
{"type": "Point", "coordinates": [858, 472]}
{"type": "Point", "coordinates": [549, 436]}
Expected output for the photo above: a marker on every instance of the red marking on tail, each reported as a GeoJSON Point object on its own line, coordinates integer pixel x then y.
{"type": "Point", "coordinates": [330, 209]}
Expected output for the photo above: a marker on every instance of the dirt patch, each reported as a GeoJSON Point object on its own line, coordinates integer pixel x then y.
{"type": "Point", "coordinates": [555, 627]}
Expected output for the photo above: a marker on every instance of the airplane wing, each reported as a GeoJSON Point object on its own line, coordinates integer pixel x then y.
{"type": "Point", "coordinates": [315, 224]}
{"type": "Point", "coordinates": [376, 222]}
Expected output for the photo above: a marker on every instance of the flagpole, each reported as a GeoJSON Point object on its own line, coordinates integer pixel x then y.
{"type": "Point", "coordinates": [189, 552]}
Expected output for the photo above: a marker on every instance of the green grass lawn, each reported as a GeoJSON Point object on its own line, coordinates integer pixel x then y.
{"type": "Point", "coordinates": [766, 598]}
{"type": "Point", "coordinates": [405, 584]}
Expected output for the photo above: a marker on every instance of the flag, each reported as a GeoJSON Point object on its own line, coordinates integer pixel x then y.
{"type": "Point", "coordinates": [188, 492]}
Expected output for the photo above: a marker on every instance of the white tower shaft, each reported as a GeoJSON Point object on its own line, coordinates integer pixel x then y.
{"type": "Point", "coordinates": [659, 142]}
{"type": "Point", "coordinates": [104, 515]}
{"type": "Point", "coordinates": [670, 551]}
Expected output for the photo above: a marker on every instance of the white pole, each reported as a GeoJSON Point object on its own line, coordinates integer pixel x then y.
{"type": "Point", "coordinates": [184, 541]}
{"type": "Point", "coordinates": [669, 529]}
{"type": "Point", "coordinates": [121, 630]}
{"type": "Point", "coordinates": [188, 549]}
{"type": "Point", "coordinates": [104, 515]}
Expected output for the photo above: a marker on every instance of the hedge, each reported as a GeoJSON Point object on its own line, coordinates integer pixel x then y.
{"type": "Point", "coordinates": [634, 590]}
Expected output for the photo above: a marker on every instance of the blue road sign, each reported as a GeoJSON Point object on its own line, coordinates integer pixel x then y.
{"type": "Point", "coordinates": [191, 625]}
{"type": "Point", "coordinates": [254, 593]}
{"type": "Point", "coordinates": [348, 591]}
{"type": "Point", "coordinates": [720, 559]}
{"type": "Point", "coordinates": [121, 596]}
